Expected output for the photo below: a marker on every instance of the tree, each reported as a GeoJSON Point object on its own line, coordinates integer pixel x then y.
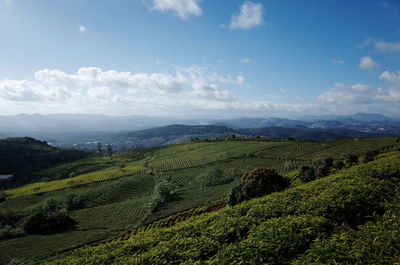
{"type": "Point", "coordinates": [47, 222]}
{"type": "Point", "coordinates": [306, 174]}
{"type": "Point", "coordinates": [351, 160]}
{"type": "Point", "coordinates": [99, 148]}
{"type": "Point", "coordinates": [338, 164]}
{"type": "Point", "coordinates": [370, 156]}
{"type": "Point", "coordinates": [256, 183]}
{"type": "Point", "coordinates": [328, 162]}
{"type": "Point", "coordinates": [109, 149]}
{"type": "Point", "coordinates": [2, 196]}
{"type": "Point", "coordinates": [163, 193]}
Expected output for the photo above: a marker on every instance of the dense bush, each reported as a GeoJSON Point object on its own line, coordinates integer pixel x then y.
{"type": "Point", "coordinates": [163, 193]}
{"type": "Point", "coordinates": [351, 160]}
{"type": "Point", "coordinates": [47, 222]}
{"type": "Point", "coordinates": [370, 156]}
{"type": "Point", "coordinates": [2, 196]}
{"type": "Point", "coordinates": [257, 183]}
{"type": "Point", "coordinates": [338, 164]}
{"type": "Point", "coordinates": [306, 174]}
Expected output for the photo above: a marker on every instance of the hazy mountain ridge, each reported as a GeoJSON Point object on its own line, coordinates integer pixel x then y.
{"type": "Point", "coordinates": [135, 132]}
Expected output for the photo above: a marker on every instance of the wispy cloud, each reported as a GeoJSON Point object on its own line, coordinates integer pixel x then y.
{"type": "Point", "coordinates": [381, 46]}
{"type": "Point", "coordinates": [336, 61]}
{"type": "Point", "coordinates": [250, 16]}
{"type": "Point", "coordinates": [247, 61]}
{"type": "Point", "coordinates": [181, 8]}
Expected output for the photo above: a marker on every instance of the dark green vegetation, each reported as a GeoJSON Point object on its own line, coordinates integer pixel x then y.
{"type": "Point", "coordinates": [22, 157]}
{"type": "Point", "coordinates": [106, 197]}
{"type": "Point", "coordinates": [349, 217]}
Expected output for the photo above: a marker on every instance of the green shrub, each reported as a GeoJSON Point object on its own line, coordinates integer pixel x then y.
{"type": "Point", "coordinates": [306, 174]}
{"type": "Point", "coordinates": [20, 261]}
{"type": "Point", "coordinates": [263, 181]}
{"type": "Point", "coordinates": [2, 196]}
{"type": "Point", "coordinates": [328, 162]}
{"type": "Point", "coordinates": [10, 232]}
{"type": "Point", "coordinates": [338, 164]}
{"type": "Point", "coordinates": [257, 183]}
{"type": "Point", "coordinates": [351, 160]}
{"type": "Point", "coordinates": [370, 156]}
{"type": "Point", "coordinates": [275, 241]}
{"type": "Point", "coordinates": [373, 243]}
{"type": "Point", "coordinates": [47, 222]}
{"type": "Point", "coordinates": [162, 194]}
{"type": "Point", "coordinates": [50, 205]}
{"type": "Point", "coordinates": [322, 171]}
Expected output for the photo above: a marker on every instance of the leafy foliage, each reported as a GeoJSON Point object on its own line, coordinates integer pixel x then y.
{"type": "Point", "coordinates": [257, 183]}
{"type": "Point", "coordinates": [47, 222]}
{"type": "Point", "coordinates": [163, 193]}
{"type": "Point", "coordinates": [306, 174]}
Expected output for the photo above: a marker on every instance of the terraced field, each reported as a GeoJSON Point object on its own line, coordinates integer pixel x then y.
{"type": "Point", "coordinates": [117, 192]}
{"type": "Point", "coordinates": [74, 181]}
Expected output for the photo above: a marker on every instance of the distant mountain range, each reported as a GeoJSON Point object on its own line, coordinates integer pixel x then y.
{"type": "Point", "coordinates": [174, 134]}
{"type": "Point", "coordinates": [84, 131]}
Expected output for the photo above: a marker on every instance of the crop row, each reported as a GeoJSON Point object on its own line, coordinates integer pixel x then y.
{"type": "Point", "coordinates": [74, 181]}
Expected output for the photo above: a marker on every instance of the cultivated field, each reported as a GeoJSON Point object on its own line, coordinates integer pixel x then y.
{"type": "Point", "coordinates": [116, 192]}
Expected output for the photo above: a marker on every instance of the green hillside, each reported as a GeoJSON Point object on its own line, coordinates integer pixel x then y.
{"type": "Point", "coordinates": [114, 195]}
{"type": "Point", "coordinates": [22, 157]}
{"type": "Point", "coordinates": [350, 217]}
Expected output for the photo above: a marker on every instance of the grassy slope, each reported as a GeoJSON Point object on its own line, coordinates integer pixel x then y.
{"type": "Point", "coordinates": [113, 205]}
{"type": "Point", "coordinates": [73, 181]}
{"type": "Point", "coordinates": [318, 219]}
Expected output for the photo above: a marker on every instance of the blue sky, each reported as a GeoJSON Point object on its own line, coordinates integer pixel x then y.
{"type": "Point", "coordinates": [200, 58]}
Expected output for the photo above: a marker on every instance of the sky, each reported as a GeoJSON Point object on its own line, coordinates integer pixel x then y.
{"type": "Point", "coordinates": [200, 58]}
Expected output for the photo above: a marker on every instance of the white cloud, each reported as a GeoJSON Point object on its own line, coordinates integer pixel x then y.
{"type": "Point", "coordinates": [348, 94]}
{"type": "Point", "coordinates": [367, 63]}
{"type": "Point", "coordinates": [336, 61]}
{"type": "Point", "coordinates": [8, 2]}
{"type": "Point", "coordinates": [391, 77]}
{"type": "Point", "coordinates": [181, 8]}
{"type": "Point", "coordinates": [250, 16]}
{"type": "Point", "coordinates": [247, 61]}
{"type": "Point", "coordinates": [82, 29]}
{"type": "Point", "coordinates": [210, 91]}
{"type": "Point", "coordinates": [188, 91]}
{"type": "Point", "coordinates": [91, 85]}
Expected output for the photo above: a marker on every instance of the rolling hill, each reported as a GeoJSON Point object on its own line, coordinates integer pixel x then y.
{"type": "Point", "coordinates": [23, 156]}
{"type": "Point", "coordinates": [114, 195]}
